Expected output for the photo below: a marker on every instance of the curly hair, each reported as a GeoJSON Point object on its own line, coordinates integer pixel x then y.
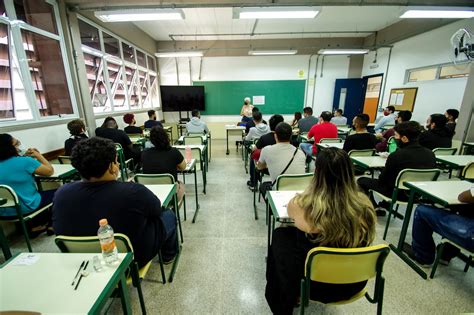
{"type": "Point", "coordinates": [159, 138]}
{"type": "Point", "coordinates": [7, 149]}
{"type": "Point", "coordinates": [76, 127]}
{"type": "Point", "coordinates": [92, 157]}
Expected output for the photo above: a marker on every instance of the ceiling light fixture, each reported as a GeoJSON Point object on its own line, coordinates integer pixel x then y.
{"type": "Point", "coordinates": [276, 12]}
{"type": "Point", "coordinates": [438, 13]}
{"type": "Point", "coordinates": [139, 15]}
{"type": "Point", "coordinates": [271, 52]}
{"type": "Point", "coordinates": [191, 53]}
{"type": "Point", "coordinates": [343, 51]}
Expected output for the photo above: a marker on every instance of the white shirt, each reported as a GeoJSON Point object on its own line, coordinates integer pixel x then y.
{"type": "Point", "coordinates": [385, 120]}
{"type": "Point", "coordinates": [339, 120]}
{"type": "Point", "coordinates": [277, 157]}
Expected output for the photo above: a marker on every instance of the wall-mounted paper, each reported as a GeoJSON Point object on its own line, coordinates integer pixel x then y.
{"type": "Point", "coordinates": [400, 97]}
{"type": "Point", "coordinates": [393, 99]}
{"type": "Point", "coordinates": [258, 100]}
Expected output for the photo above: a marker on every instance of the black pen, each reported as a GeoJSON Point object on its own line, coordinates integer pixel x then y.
{"type": "Point", "coordinates": [79, 270]}
{"type": "Point", "coordinates": [82, 274]}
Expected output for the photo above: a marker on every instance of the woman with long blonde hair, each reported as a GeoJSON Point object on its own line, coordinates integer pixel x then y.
{"type": "Point", "coordinates": [332, 212]}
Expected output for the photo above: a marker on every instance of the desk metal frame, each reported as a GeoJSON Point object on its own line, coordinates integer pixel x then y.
{"type": "Point", "coordinates": [238, 130]}
{"type": "Point", "coordinates": [188, 170]}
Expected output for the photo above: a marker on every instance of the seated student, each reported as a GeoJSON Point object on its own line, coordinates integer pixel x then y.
{"type": "Point", "coordinates": [130, 208]}
{"type": "Point", "coordinates": [263, 141]}
{"type": "Point", "coordinates": [410, 154]}
{"type": "Point", "coordinates": [296, 119]}
{"type": "Point", "coordinates": [325, 129]}
{"type": "Point", "coordinates": [131, 128]}
{"type": "Point", "coordinates": [437, 135]}
{"type": "Point", "coordinates": [77, 130]}
{"type": "Point", "coordinates": [451, 115]}
{"type": "Point", "coordinates": [251, 123]}
{"type": "Point", "coordinates": [333, 193]}
{"type": "Point", "coordinates": [307, 121]}
{"type": "Point", "coordinates": [338, 119]}
{"type": "Point", "coordinates": [152, 122]}
{"type": "Point", "coordinates": [260, 128]}
{"type": "Point", "coordinates": [457, 227]}
{"type": "Point", "coordinates": [361, 139]}
{"type": "Point", "coordinates": [163, 158]}
{"type": "Point", "coordinates": [16, 170]}
{"type": "Point", "coordinates": [196, 125]}
{"type": "Point", "coordinates": [111, 131]}
{"type": "Point", "coordinates": [403, 115]}
{"type": "Point", "coordinates": [387, 119]}
{"type": "Point", "coordinates": [282, 157]}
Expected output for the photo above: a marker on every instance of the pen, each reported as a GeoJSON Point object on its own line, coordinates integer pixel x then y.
{"type": "Point", "coordinates": [82, 274]}
{"type": "Point", "coordinates": [79, 270]}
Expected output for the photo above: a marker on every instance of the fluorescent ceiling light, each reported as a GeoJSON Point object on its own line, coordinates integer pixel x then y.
{"type": "Point", "coordinates": [139, 15]}
{"type": "Point", "coordinates": [276, 13]}
{"type": "Point", "coordinates": [271, 52]}
{"type": "Point", "coordinates": [192, 53]}
{"type": "Point", "coordinates": [343, 51]}
{"type": "Point", "coordinates": [438, 13]}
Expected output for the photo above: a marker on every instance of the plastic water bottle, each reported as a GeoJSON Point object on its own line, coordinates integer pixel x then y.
{"type": "Point", "coordinates": [187, 154]}
{"type": "Point", "coordinates": [107, 242]}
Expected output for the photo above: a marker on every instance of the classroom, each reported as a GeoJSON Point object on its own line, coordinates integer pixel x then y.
{"type": "Point", "coordinates": [219, 157]}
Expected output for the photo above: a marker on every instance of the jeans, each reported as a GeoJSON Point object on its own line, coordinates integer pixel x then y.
{"type": "Point", "coordinates": [169, 245]}
{"type": "Point", "coordinates": [307, 148]}
{"type": "Point", "coordinates": [456, 228]}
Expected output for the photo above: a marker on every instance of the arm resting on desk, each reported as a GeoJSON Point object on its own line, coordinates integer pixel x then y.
{"type": "Point", "coordinates": [297, 213]}
{"type": "Point", "coordinates": [466, 196]}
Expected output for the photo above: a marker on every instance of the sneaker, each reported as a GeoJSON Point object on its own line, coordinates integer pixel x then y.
{"type": "Point", "coordinates": [380, 212]}
{"type": "Point", "coordinates": [411, 253]}
{"type": "Point", "coordinates": [250, 185]}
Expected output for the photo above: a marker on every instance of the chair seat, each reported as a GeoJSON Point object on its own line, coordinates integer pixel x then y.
{"type": "Point", "coordinates": [387, 199]}
{"type": "Point", "coordinates": [30, 215]}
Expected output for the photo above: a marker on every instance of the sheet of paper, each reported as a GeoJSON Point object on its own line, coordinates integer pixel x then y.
{"type": "Point", "coordinates": [281, 199]}
{"type": "Point", "coordinates": [26, 260]}
{"type": "Point", "coordinates": [400, 97]}
{"type": "Point", "coordinates": [258, 100]}
{"type": "Point", "coordinates": [393, 98]}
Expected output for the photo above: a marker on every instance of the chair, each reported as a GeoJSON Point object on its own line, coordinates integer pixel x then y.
{"type": "Point", "coordinates": [200, 165]}
{"type": "Point", "coordinates": [330, 140]}
{"type": "Point", "coordinates": [12, 201]}
{"type": "Point", "coordinates": [344, 266]}
{"type": "Point", "coordinates": [91, 244]}
{"type": "Point", "coordinates": [439, 253]}
{"type": "Point", "coordinates": [124, 164]}
{"type": "Point", "coordinates": [406, 175]}
{"type": "Point", "coordinates": [64, 159]}
{"type": "Point", "coordinates": [194, 139]}
{"type": "Point", "coordinates": [293, 181]}
{"type": "Point", "coordinates": [162, 179]}
{"type": "Point", "coordinates": [444, 151]}
{"type": "Point", "coordinates": [366, 152]}
{"type": "Point", "coordinates": [468, 172]}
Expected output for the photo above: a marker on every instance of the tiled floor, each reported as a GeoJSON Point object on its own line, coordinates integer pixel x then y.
{"type": "Point", "coordinates": [222, 266]}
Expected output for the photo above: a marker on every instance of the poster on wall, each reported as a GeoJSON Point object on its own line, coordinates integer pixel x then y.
{"type": "Point", "coordinates": [258, 100]}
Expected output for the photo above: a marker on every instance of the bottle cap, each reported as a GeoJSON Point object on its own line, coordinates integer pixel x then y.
{"type": "Point", "coordinates": [103, 222]}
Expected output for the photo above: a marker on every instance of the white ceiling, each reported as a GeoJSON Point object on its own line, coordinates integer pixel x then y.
{"type": "Point", "coordinates": [220, 21]}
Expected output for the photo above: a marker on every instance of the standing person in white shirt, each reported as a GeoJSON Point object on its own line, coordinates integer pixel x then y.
{"type": "Point", "coordinates": [196, 125]}
{"type": "Point", "coordinates": [260, 128]}
{"type": "Point", "coordinates": [388, 118]}
{"type": "Point", "coordinates": [338, 119]}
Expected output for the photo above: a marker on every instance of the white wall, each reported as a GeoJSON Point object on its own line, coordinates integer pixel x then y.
{"type": "Point", "coordinates": [426, 49]}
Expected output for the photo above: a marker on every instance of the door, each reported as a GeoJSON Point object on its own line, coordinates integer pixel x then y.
{"type": "Point", "coordinates": [349, 96]}
{"type": "Point", "coordinates": [372, 94]}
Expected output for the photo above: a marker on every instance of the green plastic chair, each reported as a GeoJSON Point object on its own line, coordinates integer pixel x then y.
{"type": "Point", "coordinates": [293, 181]}
{"type": "Point", "coordinates": [366, 152]}
{"type": "Point", "coordinates": [330, 140]}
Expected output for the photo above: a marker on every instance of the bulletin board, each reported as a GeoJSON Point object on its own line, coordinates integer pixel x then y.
{"type": "Point", "coordinates": [403, 98]}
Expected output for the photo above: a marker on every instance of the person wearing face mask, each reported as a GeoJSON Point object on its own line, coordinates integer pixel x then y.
{"type": "Point", "coordinates": [437, 135]}
{"type": "Point", "coordinates": [410, 154]}
{"type": "Point", "coordinates": [388, 118]}
{"type": "Point", "coordinates": [17, 168]}
{"type": "Point", "coordinates": [130, 208]}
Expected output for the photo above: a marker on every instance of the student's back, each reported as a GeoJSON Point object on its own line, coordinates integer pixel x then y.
{"type": "Point", "coordinates": [360, 141]}
{"type": "Point", "coordinates": [306, 123]}
{"type": "Point", "coordinates": [436, 138]}
{"type": "Point", "coordinates": [161, 161]}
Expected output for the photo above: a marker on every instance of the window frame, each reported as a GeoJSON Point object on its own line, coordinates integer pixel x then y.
{"type": "Point", "coordinates": [438, 68]}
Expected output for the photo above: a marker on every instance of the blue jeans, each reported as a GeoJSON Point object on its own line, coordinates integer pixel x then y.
{"type": "Point", "coordinates": [427, 219]}
{"type": "Point", "coordinates": [307, 148]}
{"type": "Point", "coordinates": [169, 246]}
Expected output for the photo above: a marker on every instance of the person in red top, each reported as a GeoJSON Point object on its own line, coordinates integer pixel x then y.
{"type": "Point", "coordinates": [324, 129]}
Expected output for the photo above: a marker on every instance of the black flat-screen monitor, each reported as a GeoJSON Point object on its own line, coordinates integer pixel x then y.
{"type": "Point", "coordinates": [182, 98]}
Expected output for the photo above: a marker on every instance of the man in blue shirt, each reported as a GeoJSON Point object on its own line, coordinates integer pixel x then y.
{"type": "Point", "coordinates": [152, 122]}
{"type": "Point", "coordinates": [388, 119]}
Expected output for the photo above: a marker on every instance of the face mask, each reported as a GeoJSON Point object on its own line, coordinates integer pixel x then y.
{"type": "Point", "coordinates": [21, 151]}
{"type": "Point", "coordinates": [400, 143]}
{"type": "Point", "coordinates": [386, 112]}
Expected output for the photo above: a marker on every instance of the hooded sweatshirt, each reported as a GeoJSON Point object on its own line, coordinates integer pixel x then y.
{"type": "Point", "coordinates": [196, 125]}
{"type": "Point", "coordinates": [257, 131]}
{"type": "Point", "coordinates": [436, 138]}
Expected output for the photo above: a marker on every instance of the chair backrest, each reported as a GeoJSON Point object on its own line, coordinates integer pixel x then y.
{"type": "Point", "coordinates": [444, 151]}
{"type": "Point", "coordinates": [121, 160]}
{"type": "Point", "coordinates": [367, 152]}
{"type": "Point", "coordinates": [330, 140]}
{"type": "Point", "coordinates": [154, 179]}
{"type": "Point", "coordinates": [90, 244]}
{"type": "Point", "coordinates": [7, 193]}
{"type": "Point", "coordinates": [193, 140]}
{"type": "Point", "coordinates": [64, 159]}
{"type": "Point", "coordinates": [293, 181]}
{"type": "Point", "coordinates": [468, 171]}
{"type": "Point", "coordinates": [195, 154]}
{"type": "Point", "coordinates": [416, 175]}
{"type": "Point", "coordinates": [345, 265]}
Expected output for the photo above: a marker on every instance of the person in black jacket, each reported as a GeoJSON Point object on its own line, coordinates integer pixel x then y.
{"type": "Point", "coordinates": [437, 135]}
{"type": "Point", "coordinates": [362, 139]}
{"type": "Point", "coordinates": [77, 130]}
{"type": "Point", "coordinates": [410, 154]}
{"type": "Point", "coordinates": [129, 119]}
{"type": "Point", "coordinates": [451, 114]}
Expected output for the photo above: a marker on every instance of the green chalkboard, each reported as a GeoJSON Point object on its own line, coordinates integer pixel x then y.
{"type": "Point", "coordinates": [227, 97]}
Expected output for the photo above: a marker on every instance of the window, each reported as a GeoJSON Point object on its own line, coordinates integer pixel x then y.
{"type": "Point", "coordinates": [89, 35]}
{"type": "Point", "coordinates": [151, 63]}
{"type": "Point", "coordinates": [452, 71]}
{"type": "Point", "coordinates": [438, 72]}
{"type": "Point", "coordinates": [111, 45]}
{"type": "Point", "coordinates": [36, 13]}
{"type": "Point", "coordinates": [423, 75]}
{"type": "Point", "coordinates": [6, 82]}
{"type": "Point", "coordinates": [128, 54]}
{"type": "Point", "coordinates": [95, 77]}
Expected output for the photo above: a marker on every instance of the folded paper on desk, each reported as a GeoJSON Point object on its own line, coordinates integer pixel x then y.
{"type": "Point", "coordinates": [26, 260]}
